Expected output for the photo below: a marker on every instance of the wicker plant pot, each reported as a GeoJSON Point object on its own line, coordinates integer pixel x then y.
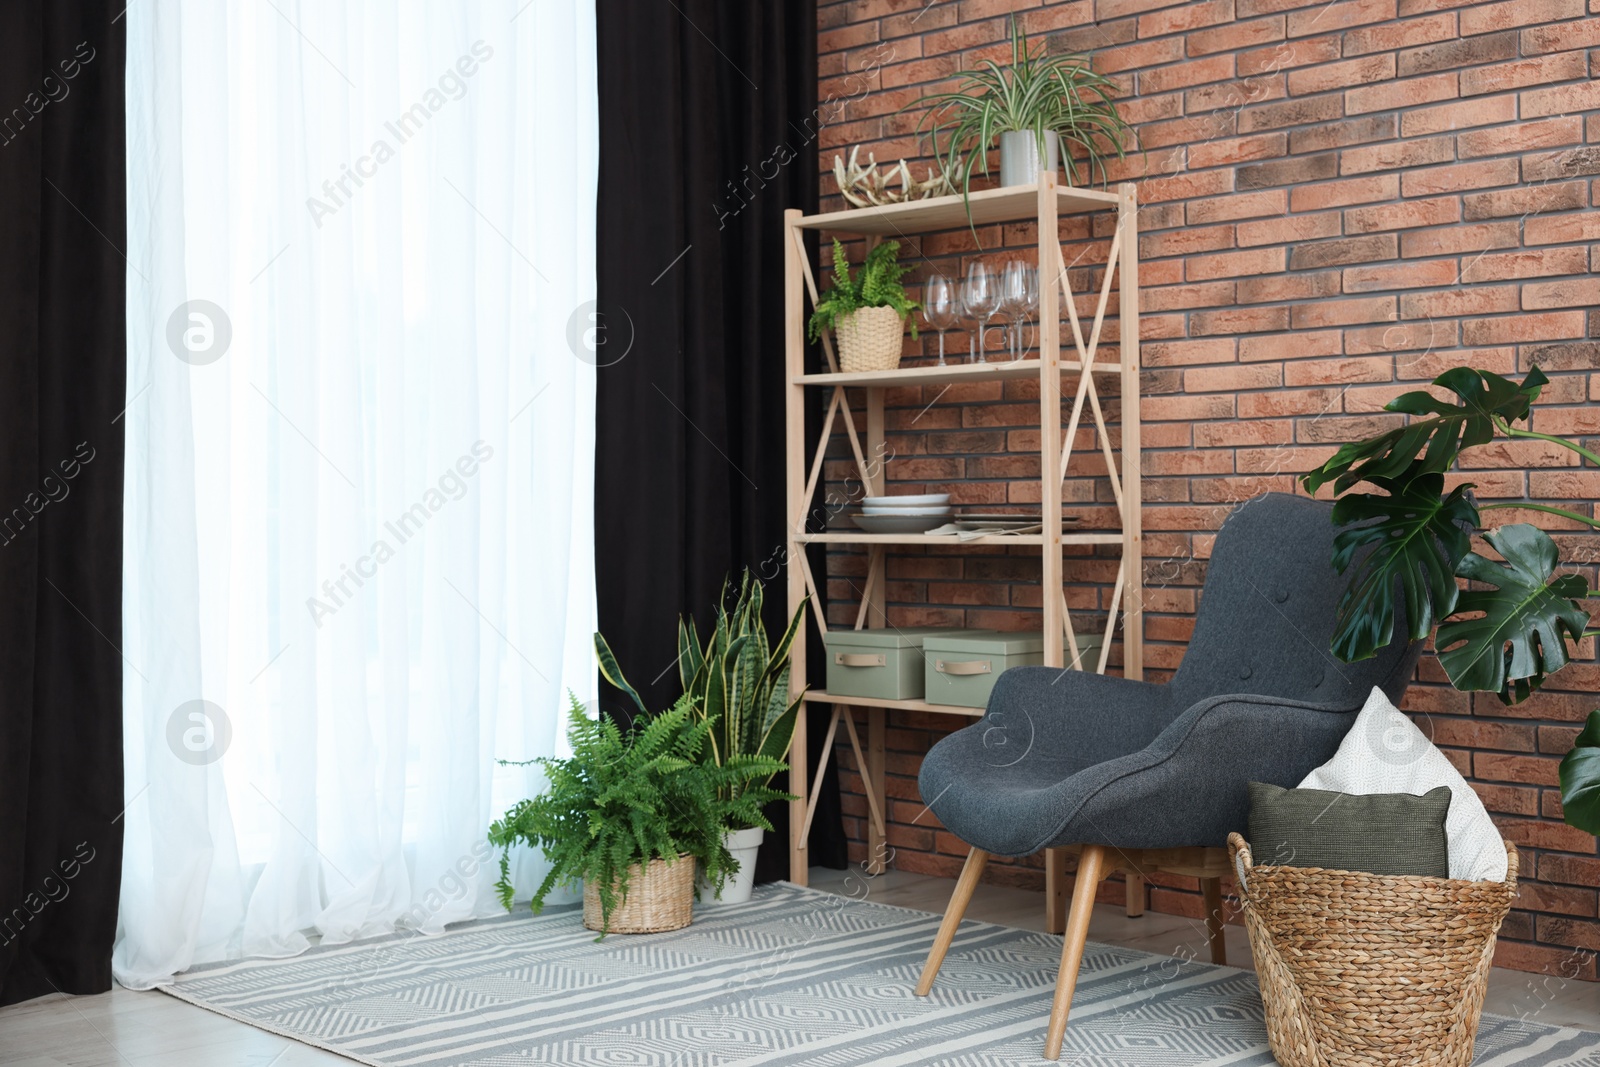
{"type": "Point", "coordinates": [1373, 969]}
{"type": "Point", "coordinates": [660, 898]}
{"type": "Point", "coordinates": [869, 339]}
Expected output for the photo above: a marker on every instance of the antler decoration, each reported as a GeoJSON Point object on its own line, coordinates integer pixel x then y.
{"type": "Point", "coordinates": [865, 187]}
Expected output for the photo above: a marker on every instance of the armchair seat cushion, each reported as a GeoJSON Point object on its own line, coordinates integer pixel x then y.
{"type": "Point", "coordinates": [1186, 786]}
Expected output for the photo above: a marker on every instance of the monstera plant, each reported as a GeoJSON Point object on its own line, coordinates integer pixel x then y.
{"type": "Point", "coordinates": [1507, 630]}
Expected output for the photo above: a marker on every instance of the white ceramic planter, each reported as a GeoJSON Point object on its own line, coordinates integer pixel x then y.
{"type": "Point", "coordinates": [744, 844]}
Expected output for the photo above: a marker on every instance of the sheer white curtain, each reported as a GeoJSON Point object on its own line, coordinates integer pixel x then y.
{"type": "Point", "coordinates": [359, 476]}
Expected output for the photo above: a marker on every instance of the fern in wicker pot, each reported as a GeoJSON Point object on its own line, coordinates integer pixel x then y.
{"type": "Point", "coordinates": [867, 313]}
{"type": "Point", "coordinates": [630, 813]}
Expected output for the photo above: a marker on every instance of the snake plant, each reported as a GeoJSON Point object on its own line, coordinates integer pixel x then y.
{"type": "Point", "coordinates": [735, 678]}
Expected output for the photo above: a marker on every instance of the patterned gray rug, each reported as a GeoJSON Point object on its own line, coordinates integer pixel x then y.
{"type": "Point", "coordinates": [794, 977]}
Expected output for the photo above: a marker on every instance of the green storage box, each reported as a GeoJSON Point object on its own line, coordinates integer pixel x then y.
{"type": "Point", "coordinates": [886, 664]}
{"type": "Point", "coordinates": [961, 669]}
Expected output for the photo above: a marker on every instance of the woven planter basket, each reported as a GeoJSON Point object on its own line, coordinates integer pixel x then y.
{"type": "Point", "coordinates": [869, 339]}
{"type": "Point", "coordinates": [1363, 969]}
{"type": "Point", "coordinates": [660, 898]}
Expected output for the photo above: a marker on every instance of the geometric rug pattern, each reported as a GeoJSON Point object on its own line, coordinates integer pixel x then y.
{"type": "Point", "coordinates": [795, 977]}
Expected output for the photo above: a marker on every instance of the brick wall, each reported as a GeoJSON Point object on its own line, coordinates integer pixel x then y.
{"type": "Point", "coordinates": [1338, 202]}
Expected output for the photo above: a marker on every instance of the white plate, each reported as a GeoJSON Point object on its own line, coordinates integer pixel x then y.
{"type": "Point", "coordinates": [898, 524]}
{"type": "Point", "coordinates": [944, 511]}
{"type": "Point", "coordinates": [923, 500]}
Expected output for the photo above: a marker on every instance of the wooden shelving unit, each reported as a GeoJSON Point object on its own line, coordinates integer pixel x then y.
{"type": "Point", "coordinates": [1045, 203]}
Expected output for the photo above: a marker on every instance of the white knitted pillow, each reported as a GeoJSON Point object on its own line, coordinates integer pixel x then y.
{"type": "Point", "coordinates": [1384, 752]}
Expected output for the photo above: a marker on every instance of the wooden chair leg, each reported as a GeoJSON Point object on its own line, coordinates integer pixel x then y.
{"type": "Point", "coordinates": [971, 871]}
{"type": "Point", "coordinates": [1134, 885]}
{"type": "Point", "coordinates": [1091, 868]}
{"type": "Point", "coordinates": [1211, 890]}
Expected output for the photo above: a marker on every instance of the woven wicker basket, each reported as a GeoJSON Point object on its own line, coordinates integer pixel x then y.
{"type": "Point", "coordinates": [869, 339]}
{"type": "Point", "coordinates": [1359, 969]}
{"type": "Point", "coordinates": [660, 898]}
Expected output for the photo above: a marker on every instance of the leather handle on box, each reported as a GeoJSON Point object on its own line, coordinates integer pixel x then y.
{"type": "Point", "coordinates": [860, 659]}
{"type": "Point", "coordinates": [971, 666]}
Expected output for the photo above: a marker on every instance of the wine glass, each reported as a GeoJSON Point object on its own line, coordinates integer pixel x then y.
{"type": "Point", "coordinates": [1013, 301]}
{"type": "Point", "coordinates": [981, 295]}
{"type": "Point", "coordinates": [1030, 303]}
{"type": "Point", "coordinates": [941, 306]}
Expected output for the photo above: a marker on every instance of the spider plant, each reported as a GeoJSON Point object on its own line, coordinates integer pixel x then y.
{"type": "Point", "coordinates": [1036, 93]}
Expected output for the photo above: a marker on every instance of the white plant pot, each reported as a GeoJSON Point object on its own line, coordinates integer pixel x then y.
{"type": "Point", "coordinates": [1019, 156]}
{"type": "Point", "coordinates": [744, 844]}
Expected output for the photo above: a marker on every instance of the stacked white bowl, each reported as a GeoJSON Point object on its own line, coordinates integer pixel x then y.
{"type": "Point", "coordinates": [922, 504]}
{"type": "Point", "coordinates": [904, 514]}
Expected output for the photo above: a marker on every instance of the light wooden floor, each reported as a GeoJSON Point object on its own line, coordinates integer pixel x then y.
{"type": "Point", "coordinates": [127, 1029]}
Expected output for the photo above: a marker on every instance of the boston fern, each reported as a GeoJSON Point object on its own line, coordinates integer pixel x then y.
{"type": "Point", "coordinates": [1508, 630]}
{"type": "Point", "coordinates": [877, 286]}
{"type": "Point", "coordinates": [625, 798]}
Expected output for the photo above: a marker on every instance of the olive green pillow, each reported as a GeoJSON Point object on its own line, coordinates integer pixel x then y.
{"type": "Point", "coordinates": [1380, 833]}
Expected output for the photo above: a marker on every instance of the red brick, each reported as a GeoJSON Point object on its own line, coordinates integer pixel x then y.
{"type": "Point", "coordinates": [1396, 156]}
{"type": "Point", "coordinates": [1305, 285]}
{"type": "Point", "coordinates": [1230, 321]}
{"type": "Point", "coordinates": [1538, 40]}
{"type": "Point", "coordinates": [1525, 201]}
{"type": "Point", "coordinates": [1235, 264]}
{"type": "Point", "coordinates": [1545, 133]}
{"type": "Point", "coordinates": [1560, 100]}
{"type": "Point", "coordinates": [1571, 292]}
{"type": "Point", "coordinates": [1229, 151]}
{"type": "Point", "coordinates": [1562, 229]}
{"type": "Point", "coordinates": [1486, 18]}
{"type": "Point", "coordinates": [1192, 72]}
{"type": "Point", "coordinates": [1345, 312]}
{"type": "Point", "coordinates": [1531, 263]}
{"type": "Point", "coordinates": [1387, 38]}
{"type": "Point", "coordinates": [1365, 190]}
{"type": "Point", "coordinates": [1454, 52]}
{"type": "Point", "coordinates": [1264, 202]}
{"type": "Point", "coordinates": [1481, 174]}
{"type": "Point", "coordinates": [1337, 371]}
{"type": "Point", "coordinates": [1396, 94]}
{"type": "Point", "coordinates": [1482, 111]}
{"type": "Point", "coordinates": [1288, 228]}
{"type": "Point", "coordinates": [1330, 76]}
{"type": "Point", "coordinates": [1541, 70]}
{"type": "Point", "coordinates": [1322, 18]}
{"type": "Point", "coordinates": [1400, 337]}
{"type": "Point", "coordinates": [1364, 249]}
{"type": "Point", "coordinates": [1452, 303]}
{"type": "Point", "coordinates": [1234, 36]}
{"type": "Point", "coordinates": [1405, 215]}
{"type": "Point", "coordinates": [1426, 274]}
{"type": "Point", "coordinates": [1184, 17]}
{"type": "Point", "coordinates": [1344, 133]}
{"type": "Point", "coordinates": [1299, 345]}
{"type": "Point", "coordinates": [1449, 240]}
{"type": "Point", "coordinates": [1549, 326]}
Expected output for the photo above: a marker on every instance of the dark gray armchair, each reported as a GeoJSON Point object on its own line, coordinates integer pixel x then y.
{"type": "Point", "coordinates": [1157, 774]}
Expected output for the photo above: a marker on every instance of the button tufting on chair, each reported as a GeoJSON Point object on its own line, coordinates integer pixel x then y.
{"type": "Point", "coordinates": [1245, 672]}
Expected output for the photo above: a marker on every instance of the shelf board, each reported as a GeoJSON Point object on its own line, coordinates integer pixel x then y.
{"type": "Point", "coordinates": [821, 697]}
{"type": "Point", "coordinates": [1016, 203]}
{"type": "Point", "coordinates": [864, 538]}
{"type": "Point", "coordinates": [936, 375]}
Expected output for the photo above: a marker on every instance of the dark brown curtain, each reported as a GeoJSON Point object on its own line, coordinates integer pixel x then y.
{"type": "Point", "coordinates": [707, 133]}
{"type": "Point", "coordinates": [62, 388]}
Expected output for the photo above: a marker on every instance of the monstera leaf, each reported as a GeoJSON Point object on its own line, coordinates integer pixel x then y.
{"type": "Point", "coordinates": [1416, 536]}
{"type": "Point", "coordinates": [1520, 637]}
{"type": "Point", "coordinates": [1580, 778]}
{"type": "Point", "coordinates": [1436, 440]}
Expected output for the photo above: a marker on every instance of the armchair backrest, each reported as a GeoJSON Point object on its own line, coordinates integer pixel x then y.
{"type": "Point", "coordinates": [1267, 613]}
